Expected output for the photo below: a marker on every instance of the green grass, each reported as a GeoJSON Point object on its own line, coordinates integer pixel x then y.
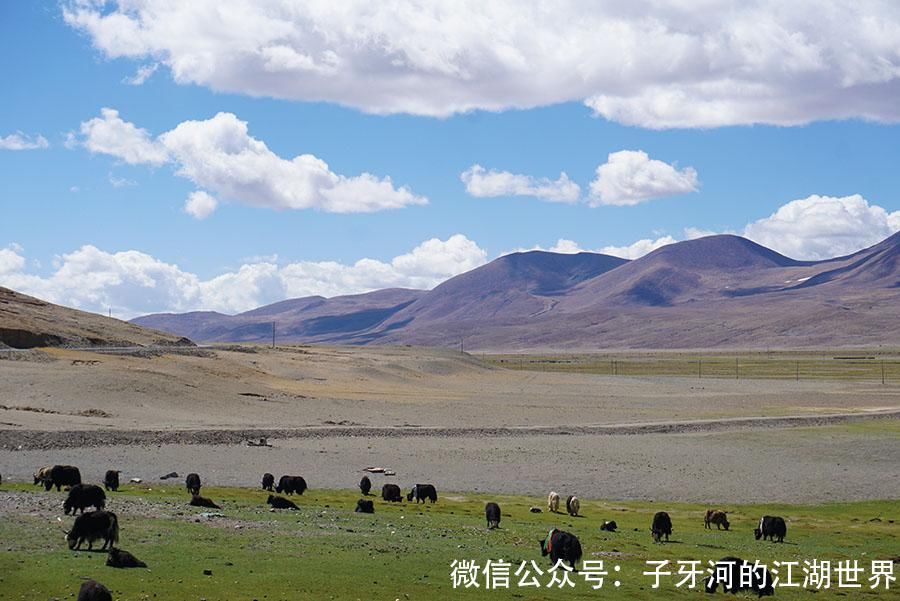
{"type": "Point", "coordinates": [783, 365]}
{"type": "Point", "coordinates": [404, 551]}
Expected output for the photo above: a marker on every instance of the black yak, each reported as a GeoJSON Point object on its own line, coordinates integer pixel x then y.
{"type": "Point", "coordinates": [771, 528]}
{"type": "Point", "coordinates": [662, 525]}
{"type": "Point", "coordinates": [119, 558]}
{"type": "Point", "coordinates": [290, 485]}
{"type": "Point", "coordinates": [563, 546]}
{"type": "Point", "coordinates": [111, 480]}
{"type": "Point", "coordinates": [573, 505]}
{"type": "Point", "coordinates": [62, 475]}
{"type": "Point", "coordinates": [492, 514]}
{"type": "Point", "coordinates": [281, 503]}
{"type": "Point", "coordinates": [714, 516]}
{"type": "Point", "coordinates": [268, 482]}
{"type": "Point", "coordinates": [391, 492]}
{"type": "Point", "coordinates": [93, 526]}
{"type": "Point", "coordinates": [192, 483]}
{"type": "Point", "coordinates": [609, 526]}
{"type": "Point", "coordinates": [365, 485]}
{"type": "Point", "coordinates": [728, 572]}
{"type": "Point", "coordinates": [421, 492]}
{"type": "Point", "coordinates": [198, 501]}
{"type": "Point", "coordinates": [91, 590]}
{"type": "Point", "coordinates": [365, 506]}
{"type": "Point", "coordinates": [82, 496]}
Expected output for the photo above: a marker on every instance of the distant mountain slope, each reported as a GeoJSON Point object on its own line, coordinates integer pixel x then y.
{"type": "Point", "coordinates": [713, 292]}
{"type": "Point", "coordinates": [28, 322]}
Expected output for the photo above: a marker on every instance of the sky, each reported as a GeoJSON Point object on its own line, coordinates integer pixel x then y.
{"type": "Point", "coordinates": [221, 155]}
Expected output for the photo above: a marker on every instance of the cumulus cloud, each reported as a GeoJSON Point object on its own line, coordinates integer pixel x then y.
{"type": "Point", "coordinates": [20, 141]}
{"type": "Point", "coordinates": [630, 177]}
{"type": "Point", "coordinates": [822, 227]}
{"type": "Point", "coordinates": [644, 63]}
{"type": "Point", "coordinates": [141, 75]}
{"type": "Point", "coordinates": [200, 205]}
{"type": "Point", "coordinates": [220, 155]}
{"type": "Point", "coordinates": [487, 184]}
{"type": "Point", "coordinates": [638, 249]}
{"type": "Point", "coordinates": [134, 283]}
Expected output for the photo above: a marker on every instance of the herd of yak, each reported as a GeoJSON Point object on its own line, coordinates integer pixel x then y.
{"type": "Point", "coordinates": [100, 524]}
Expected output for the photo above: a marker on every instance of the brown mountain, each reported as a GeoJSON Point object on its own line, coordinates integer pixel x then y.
{"type": "Point", "coordinates": [28, 322]}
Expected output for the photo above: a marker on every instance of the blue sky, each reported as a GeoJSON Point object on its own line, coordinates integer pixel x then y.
{"type": "Point", "coordinates": [58, 199]}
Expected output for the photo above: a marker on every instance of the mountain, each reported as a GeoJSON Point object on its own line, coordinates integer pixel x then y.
{"type": "Point", "coordinates": [712, 292]}
{"type": "Point", "coordinates": [28, 322]}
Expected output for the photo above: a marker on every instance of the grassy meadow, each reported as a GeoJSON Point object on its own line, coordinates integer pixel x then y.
{"type": "Point", "coordinates": [403, 551]}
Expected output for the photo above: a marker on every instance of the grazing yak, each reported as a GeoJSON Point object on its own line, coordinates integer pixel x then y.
{"type": "Point", "coordinates": [111, 480]}
{"type": "Point", "coordinates": [290, 485]}
{"type": "Point", "coordinates": [91, 590]}
{"type": "Point", "coordinates": [553, 502]}
{"type": "Point", "coordinates": [93, 526]}
{"type": "Point", "coordinates": [198, 501]}
{"type": "Point", "coordinates": [391, 492]}
{"type": "Point", "coordinates": [772, 528]}
{"type": "Point", "coordinates": [727, 572]}
{"type": "Point", "coordinates": [609, 526]}
{"type": "Point", "coordinates": [119, 558]}
{"type": "Point", "coordinates": [561, 545]}
{"type": "Point", "coordinates": [573, 505]}
{"type": "Point", "coordinates": [192, 483]}
{"type": "Point", "coordinates": [82, 496]}
{"type": "Point", "coordinates": [714, 516]}
{"type": "Point", "coordinates": [281, 503]}
{"type": "Point", "coordinates": [42, 474]}
{"type": "Point", "coordinates": [662, 525]}
{"type": "Point", "coordinates": [62, 475]}
{"type": "Point", "coordinates": [365, 485]}
{"type": "Point", "coordinates": [365, 506]}
{"type": "Point", "coordinates": [421, 492]}
{"type": "Point", "coordinates": [268, 482]}
{"type": "Point", "coordinates": [492, 514]}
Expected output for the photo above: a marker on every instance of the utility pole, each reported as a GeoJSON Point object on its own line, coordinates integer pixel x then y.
{"type": "Point", "coordinates": [700, 369]}
{"type": "Point", "coordinates": [737, 369]}
{"type": "Point", "coordinates": [273, 334]}
{"type": "Point", "coordinates": [882, 372]}
{"type": "Point", "coordinates": [798, 371]}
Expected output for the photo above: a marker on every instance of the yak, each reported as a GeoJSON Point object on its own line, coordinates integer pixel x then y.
{"type": "Point", "coordinates": [573, 505]}
{"type": "Point", "coordinates": [42, 474]}
{"type": "Point", "coordinates": [93, 526]}
{"type": "Point", "coordinates": [198, 501]}
{"type": "Point", "coordinates": [192, 483]}
{"type": "Point", "coordinates": [365, 485]}
{"type": "Point", "coordinates": [290, 485]}
{"type": "Point", "coordinates": [281, 503]}
{"type": "Point", "coordinates": [111, 480]}
{"type": "Point", "coordinates": [727, 572]}
{"type": "Point", "coordinates": [421, 492]}
{"type": "Point", "coordinates": [492, 515]}
{"type": "Point", "coordinates": [553, 502]}
{"type": "Point", "coordinates": [62, 475]}
{"type": "Point", "coordinates": [771, 527]}
{"type": "Point", "coordinates": [365, 506]}
{"type": "Point", "coordinates": [714, 516]}
{"type": "Point", "coordinates": [82, 496]}
{"type": "Point", "coordinates": [560, 545]}
{"type": "Point", "coordinates": [268, 482]}
{"type": "Point", "coordinates": [391, 492]}
{"type": "Point", "coordinates": [119, 558]}
{"type": "Point", "coordinates": [662, 525]}
{"type": "Point", "coordinates": [91, 590]}
{"type": "Point", "coordinates": [609, 526]}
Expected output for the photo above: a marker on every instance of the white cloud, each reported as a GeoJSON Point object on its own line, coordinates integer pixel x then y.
{"type": "Point", "coordinates": [120, 182]}
{"type": "Point", "coordinates": [218, 154]}
{"type": "Point", "coordinates": [646, 63]}
{"type": "Point", "coordinates": [109, 134]}
{"type": "Point", "coordinates": [487, 184]}
{"type": "Point", "coordinates": [822, 227]}
{"type": "Point", "coordinates": [630, 177]}
{"type": "Point", "coordinates": [134, 283]}
{"type": "Point", "coordinates": [638, 249]}
{"type": "Point", "coordinates": [200, 205]}
{"type": "Point", "coordinates": [141, 75]}
{"type": "Point", "coordinates": [20, 141]}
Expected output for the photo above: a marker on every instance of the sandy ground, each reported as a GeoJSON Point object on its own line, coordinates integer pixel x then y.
{"type": "Point", "coordinates": [441, 417]}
